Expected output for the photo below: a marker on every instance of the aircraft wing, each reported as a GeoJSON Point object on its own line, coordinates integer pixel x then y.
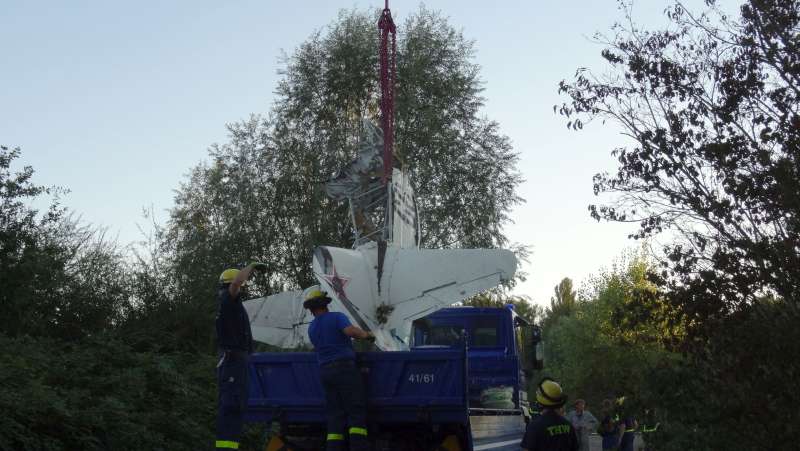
{"type": "Point", "coordinates": [384, 294]}
{"type": "Point", "coordinates": [421, 281]}
{"type": "Point", "coordinates": [279, 320]}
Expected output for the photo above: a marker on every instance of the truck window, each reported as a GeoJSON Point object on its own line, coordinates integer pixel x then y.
{"type": "Point", "coordinates": [485, 332]}
{"type": "Point", "coordinates": [439, 335]}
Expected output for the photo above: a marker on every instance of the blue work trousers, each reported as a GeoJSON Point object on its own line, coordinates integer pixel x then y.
{"type": "Point", "coordinates": [232, 380]}
{"type": "Point", "coordinates": [345, 406]}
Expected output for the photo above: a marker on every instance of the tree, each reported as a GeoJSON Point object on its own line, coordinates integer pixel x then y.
{"type": "Point", "coordinates": [563, 303]}
{"type": "Point", "coordinates": [711, 107]}
{"type": "Point", "coordinates": [533, 313]}
{"type": "Point", "coordinates": [98, 393]}
{"type": "Point", "coordinates": [598, 353]}
{"type": "Point", "coordinates": [565, 298]}
{"type": "Point", "coordinates": [260, 196]}
{"type": "Point", "coordinates": [60, 278]}
{"type": "Point", "coordinates": [23, 248]}
{"type": "Point", "coordinates": [88, 337]}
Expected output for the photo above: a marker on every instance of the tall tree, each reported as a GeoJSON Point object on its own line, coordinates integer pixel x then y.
{"type": "Point", "coordinates": [260, 194]}
{"type": "Point", "coordinates": [598, 352]}
{"type": "Point", "coordinates": [711, 106]}
{"type": "Point", "coordinates": [533, 313]}
{"type": "Point", "coordinates": [563, 302]}
{"type": "Point", "coordinates": [59, 277]}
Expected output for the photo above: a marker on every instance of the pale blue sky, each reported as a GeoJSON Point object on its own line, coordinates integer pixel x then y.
{"type": "Point", "coordinates": [118, 101]}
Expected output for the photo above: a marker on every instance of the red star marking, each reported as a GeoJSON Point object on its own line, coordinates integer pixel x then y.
{"type": "Point", "coordinates": [337, 282]}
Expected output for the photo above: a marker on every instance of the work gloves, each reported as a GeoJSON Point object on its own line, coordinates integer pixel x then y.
{"type": "Point", "coordinates": [260, 267]}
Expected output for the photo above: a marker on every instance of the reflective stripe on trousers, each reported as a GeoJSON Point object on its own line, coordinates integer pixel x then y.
{"type": "Point", "coordinates": [345, 405]}
{"type": "Point", "coordinates": [232, 382]}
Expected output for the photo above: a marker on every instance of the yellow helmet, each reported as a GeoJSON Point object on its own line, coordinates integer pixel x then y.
{"type": "Point", "coordinates": [550, 394]}
{"type": "Point", "coordinates": [314, 297]}
{"type": "Point", "coordinates": [313, 292]}
{"type": "Point", "coordinates": [228, 275]}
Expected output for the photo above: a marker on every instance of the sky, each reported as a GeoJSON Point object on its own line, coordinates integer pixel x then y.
{"type": "Point", "coordinates": [117, 101]}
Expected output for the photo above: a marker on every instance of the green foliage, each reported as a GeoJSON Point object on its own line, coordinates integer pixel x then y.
{"type": "Point", "coordinates": [533, 313]}
{"type": "Point", "coordinates": [637, 311]}
{"type": "Point", "coordinates": [99, 393]}
{"type": "Point", "coordinates": [464, 168]}
{"type": "Point", "coordinates": [730, 396]}
{"type": "Point", "coordinates": [109, 348]}
{"type": "Point", "coordinates": [750, 370]}
{"type": "Point", "coordinates": [622, 341]}
{"type": "Point", "coordinates": [69, 381]}
{"type": "Point", "coordinates": [563, 303]}
{"type": "Point", "coordinates": [260, 196]}
{"type": "Point", "coordinates": [710, 103]}
{"type": "Point", "coordinates": [596, 353]}
{"type": "Point", "coordinates": [60, 278]}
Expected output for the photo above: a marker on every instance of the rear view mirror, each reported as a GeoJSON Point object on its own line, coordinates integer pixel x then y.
{"type": "Point", "coordinates": [536, 344]}
{"type": "Point", "coordinates": [531, 351]}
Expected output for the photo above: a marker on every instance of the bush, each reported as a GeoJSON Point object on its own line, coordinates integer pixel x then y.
{"type": "Point", "coordinates": [98, 393]}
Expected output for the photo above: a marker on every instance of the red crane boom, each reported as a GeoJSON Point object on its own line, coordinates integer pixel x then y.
{"type": "Point", "coordinates": [388, 75]}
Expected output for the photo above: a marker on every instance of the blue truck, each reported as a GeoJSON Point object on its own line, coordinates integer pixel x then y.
{"type": "Point", "coordinates": [463, 382]}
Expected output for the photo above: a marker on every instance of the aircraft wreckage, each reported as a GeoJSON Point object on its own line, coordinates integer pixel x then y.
{"type": "Point", "coordinates": [386, 280]}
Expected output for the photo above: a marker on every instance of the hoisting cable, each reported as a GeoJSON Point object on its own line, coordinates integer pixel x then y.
{"type": "Point", "coordinates": [388, 70]}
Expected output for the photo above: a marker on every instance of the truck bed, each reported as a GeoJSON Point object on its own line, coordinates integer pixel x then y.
{"type": "Point", "coordinates": [402, 387]}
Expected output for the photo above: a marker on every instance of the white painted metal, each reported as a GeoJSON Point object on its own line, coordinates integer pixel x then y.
{"type": "Point", "coordinates": [280, 319]}
{"type": "Point", "coordinates": [384, 290]}
{"type": "Point", "coordinates": [404, 222]}
{"type": "Point", "coordinates": [413, 283]}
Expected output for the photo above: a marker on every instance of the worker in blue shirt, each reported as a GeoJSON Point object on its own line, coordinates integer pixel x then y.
{"type": "Point", "coordinates": [235, 341]}
{"type": "Point", "coordinates": [345, 398]}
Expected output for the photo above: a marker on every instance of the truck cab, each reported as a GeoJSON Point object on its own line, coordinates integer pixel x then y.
{"type": "Point", "coordinates": [503, 350]}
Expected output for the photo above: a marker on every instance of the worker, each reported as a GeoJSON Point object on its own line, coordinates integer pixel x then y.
{"type": "Point", "coordinates": [584, 423]}
{"type": "Point", "coordinates": [626, 443]}
{"type": "Point", "coordinates": [235, 341]}
{"type": "Point", "coordinates": [550, 431]}
{"type": "Point", "coordinates": [345, 398]}
{"type": "Point", "coordinates": [535, 411]}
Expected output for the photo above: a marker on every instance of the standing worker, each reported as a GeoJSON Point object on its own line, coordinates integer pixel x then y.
{"type": "Point", "coordinates": [235, 341]}
{"type": "Point", "coordinates": [629, 435]}
{"type": "Point", "coordinates": [551, 431]}
{"type": "Point", "coordinates": [610, 429]}
{"type": "Point", "coordinates": [584, 423]}
{"type": "Point", "coordinates": [345, 398]}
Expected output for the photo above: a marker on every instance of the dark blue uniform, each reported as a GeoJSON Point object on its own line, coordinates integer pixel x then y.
{"type": "Point", "coordinates": [550, 432]}
{"type": "Point", "coordinates": [235, 343]}
{"type": "Point", "coordinates": [609, 432]}
{"type": "Point", "coordinates": [345, 399]}
{"type": "Point", "coordinates": [628, 437]}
